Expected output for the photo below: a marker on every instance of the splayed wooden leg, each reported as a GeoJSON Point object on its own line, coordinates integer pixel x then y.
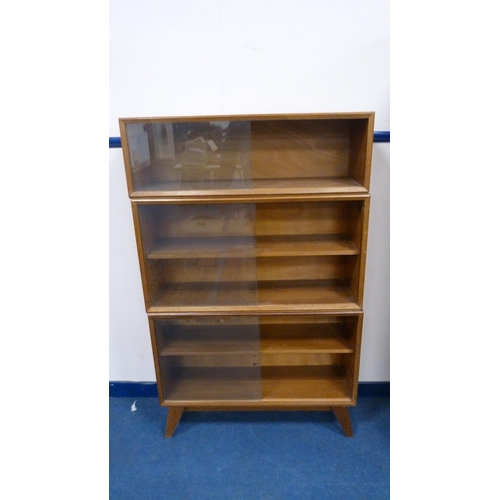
{"type": "Point", "coordinates": [342, 414]}
{"type": "Point", "coordinates": [174, 415]}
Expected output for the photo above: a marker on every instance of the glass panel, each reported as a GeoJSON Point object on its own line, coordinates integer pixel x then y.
{"type": "Point", "coordinates": [189, 155]}
{"type": "Point", "coordinates": [199, 255]}
{"type": "Point", "coordinates": [209, 359]}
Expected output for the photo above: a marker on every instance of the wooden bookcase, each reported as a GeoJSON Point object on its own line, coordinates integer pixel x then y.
{"type": "Point", "coordinates": [252, 235]}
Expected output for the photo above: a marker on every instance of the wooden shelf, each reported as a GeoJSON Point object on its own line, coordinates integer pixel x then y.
{"type": "Point", "coordinates": [253, 187]}
{"type": "Point", "coordinates": [245, 298]}
{"type": "Point", "coordinates": [300, 339]}
{"type": "Point", "coordinates": [186, 343]}
{"type": "Point", "coordinates": [203, 248]}
{"type": "Point", "coordinates": [248, 247]}
{"type": "Point", "coordinates": [272, 345]}
{"type": "Point", "coordinates": [304, 338]}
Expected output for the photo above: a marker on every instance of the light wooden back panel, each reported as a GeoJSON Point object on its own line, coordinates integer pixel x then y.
{"type": "Point", "coordinates": [295, 149]}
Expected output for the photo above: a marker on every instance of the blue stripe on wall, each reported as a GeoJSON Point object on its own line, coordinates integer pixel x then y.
{"type": "Point", "coordinates": [382, 136]}
{"type": "Point", "coordinates": [115, 142]}
{"type": "Point", "coordinates": [133, 390]}
{"type": "Point", "coordinates": [374, 389]}
{"type": "Point", "coordinates": [149, 390]}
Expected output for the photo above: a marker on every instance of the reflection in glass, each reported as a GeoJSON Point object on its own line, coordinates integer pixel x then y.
{"type": "Point", "coordinates": [199, 255]}
{"type": "Point", "coordinates": [209, 359]}
{"type": "Point", "coordinates": [190, 155]}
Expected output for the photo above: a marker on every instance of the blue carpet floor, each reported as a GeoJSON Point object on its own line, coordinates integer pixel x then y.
{"type": "Point", "coordinates": [247, 455]}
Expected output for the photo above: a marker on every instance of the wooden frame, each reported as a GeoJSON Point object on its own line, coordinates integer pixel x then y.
{"type": "Point", "coordinates": [252, 236]}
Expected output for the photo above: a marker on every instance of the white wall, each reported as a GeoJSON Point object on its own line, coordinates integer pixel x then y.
{"type": "Point", "coordinates": [171, 58]}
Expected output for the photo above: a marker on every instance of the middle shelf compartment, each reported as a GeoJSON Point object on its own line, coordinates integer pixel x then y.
{"type": "Point", "coordinates": [262, 256]}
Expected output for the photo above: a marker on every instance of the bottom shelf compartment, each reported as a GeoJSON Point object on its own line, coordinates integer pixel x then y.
{"type": "Point", "coordinates": [266, 385]}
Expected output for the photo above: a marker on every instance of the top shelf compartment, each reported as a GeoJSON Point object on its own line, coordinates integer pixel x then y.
{"type": "Point", "coordinates": [248, 156]}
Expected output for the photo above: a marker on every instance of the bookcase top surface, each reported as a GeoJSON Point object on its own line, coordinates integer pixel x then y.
{"type": "Point", "coordinates": [253, 117]}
